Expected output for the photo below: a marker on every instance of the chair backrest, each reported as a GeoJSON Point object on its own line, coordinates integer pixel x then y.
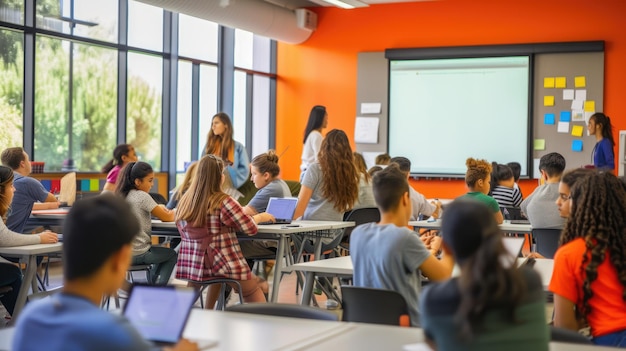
{"type": "Point", "coordinates": [284, 310]}
{"type": "Point", "coordinates": [378, 306]}
{"type": "Point", "coordinates": [569, 336]}
{"type": "Point", "coordinates": [546, 241]}
{"type": "Point", "coordinates": [360, 216]}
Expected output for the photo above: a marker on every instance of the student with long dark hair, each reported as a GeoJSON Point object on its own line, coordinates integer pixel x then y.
{"type": "Point", "coordinates": [492, 305]}
{"type": "Point", "coordinates": [503, 188]}
{"type": "Point", "coordinates": [589, 277]}
{"type": "Point", "coordinates": [136, 180]}
{"type": "Point", "coordinates": [600, 126]}
{"type": "Point", "coordinates": [221, 143]}
{"type": "Point", "coordinates": [318, 119]}
{"type": "Point", "coordinates": [122, 154]}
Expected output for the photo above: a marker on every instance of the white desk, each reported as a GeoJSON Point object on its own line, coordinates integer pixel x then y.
{"type": "Point", "coordinates": [340, 266]}
{"type": "Point", "coordinates": [28, 255]}
{"type": "Point", "coordinates": [243, 332]}
{"type": "Point", "coordinates": [506, 227]}
{"type": "Point", "coordinates": [276, 232]}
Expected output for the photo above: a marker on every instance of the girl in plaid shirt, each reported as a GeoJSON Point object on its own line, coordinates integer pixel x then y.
{"type": "Point", "coordinates": [208, 220]}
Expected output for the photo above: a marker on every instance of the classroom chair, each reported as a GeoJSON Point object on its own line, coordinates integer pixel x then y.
{"type": "Point", "coordinates": [358, 216]}
{"type": "Point", "coordinates": [224, 283]}
{"type": "Point", "coordinates": [377, 306]}
{"type": "Point", "coordinates": [546, 241]}
{"type": "Point", "coordinates": [284, 310]}
{"type": "Point", "coordinates": [568, 336]}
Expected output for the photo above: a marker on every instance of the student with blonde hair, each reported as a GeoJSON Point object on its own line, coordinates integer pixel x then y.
{"type": "Point", "coordinates": [208, 220]}
{"type": "Point", "coordinates": [478, 180]}
{"type": "Point", "coordinates": [182, 188]}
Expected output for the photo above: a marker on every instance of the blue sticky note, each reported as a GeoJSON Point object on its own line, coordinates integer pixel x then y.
{"type": "Point", "coordinates": [548, 118]}
{"type": "Point", "coordinates": [577, 145]}
{"type": "Point", "coordinates": [47, 184]}
{"type": "Point", "coordinates": [566, 116]}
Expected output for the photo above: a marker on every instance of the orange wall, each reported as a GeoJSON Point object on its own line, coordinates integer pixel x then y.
{"type": "Point", "coordinates": [323, 70]}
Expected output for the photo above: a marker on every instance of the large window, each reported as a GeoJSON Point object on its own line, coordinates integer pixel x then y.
{"type": "Point", "coordinates": [80, 80]}
{"type": "Point", "coordinates": [11, 76]}
{"type": "Point", "coordinates": [145, 82]}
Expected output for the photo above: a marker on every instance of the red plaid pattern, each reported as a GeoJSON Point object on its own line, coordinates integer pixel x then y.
{"type": "Point", "coordinates": [213, 251]}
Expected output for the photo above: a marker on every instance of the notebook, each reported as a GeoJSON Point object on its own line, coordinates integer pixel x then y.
{"type": "Point", "coordinates": [282, 208]}
{"type": "Point", "coordinates": [160, 312]}
{"type": "Point", "coordinates": [513, 245]}
{"type": "Point", "coordinates": [67, 193]}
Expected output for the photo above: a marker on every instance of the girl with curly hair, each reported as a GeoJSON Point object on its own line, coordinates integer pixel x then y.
{"type": "Point", "coordinates": [589, 277]}
{"type": "Point", "coordinates": [478, 180]}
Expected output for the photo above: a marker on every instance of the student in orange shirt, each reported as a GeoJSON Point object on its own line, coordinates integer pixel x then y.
{"type": "Point", "coordinates": [588, 281]}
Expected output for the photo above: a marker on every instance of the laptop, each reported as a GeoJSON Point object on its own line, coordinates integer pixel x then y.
{"type": "Point", "coordinates": [160, 312]}
{"type": "Point", "coordinates": [282, 208]}
{"type": "Point", "coordinates": [67, 193]}
{"type": "Point", "coordinates": [513, 245]}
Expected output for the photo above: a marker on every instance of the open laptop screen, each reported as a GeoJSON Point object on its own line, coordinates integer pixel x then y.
{"type": "Point", "coordinates": [159, 312]}
{"type": "Point", "coordinates": [282, 208]}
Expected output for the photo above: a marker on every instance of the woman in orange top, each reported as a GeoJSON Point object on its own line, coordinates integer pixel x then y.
{"type": "Point", "coordinates": [589, 278]}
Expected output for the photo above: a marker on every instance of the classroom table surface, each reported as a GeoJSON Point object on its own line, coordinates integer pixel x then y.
{"type": "Point", "coordinates": [242, 332]}
{"type": "Point", "coordinates": [506, 226]}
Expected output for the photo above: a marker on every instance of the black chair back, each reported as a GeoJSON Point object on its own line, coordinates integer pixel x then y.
{"type": "Point", "coordinates": [546, 241]}
{"type": "Point", "coordinates": [377, 306]}
{"type": "Point", "coordinates": [284, 310]}
{"type": "Point", "coordinates": [360, 216]}
{"type": "Point", "coordinates": [569, 336]}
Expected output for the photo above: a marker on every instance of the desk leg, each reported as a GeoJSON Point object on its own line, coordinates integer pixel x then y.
{"type": "Point", "coordinates": [278, 268]}
{"type": "Point", "coordinates": [318, 248]}
{"type": "Point", "coordinates": [307, 290]}
{"type": "Point", "coordinates": [29, 275]}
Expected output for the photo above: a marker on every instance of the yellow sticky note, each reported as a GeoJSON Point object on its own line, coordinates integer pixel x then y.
{"type": "Point", "coordinates": [590, 106]}
{"type": "Point", "coordinates": [94, 185]}
{"type": "Point", "coordinates": [548, 100]}
{"type": "Point", "coordinates": [540, 144]}
{"type": "Point", "coordinates": [577, 131]}
{"type": "Point", "coordinates": [580, 82]}
{"type": "Point", "coordinates": [560, 82]}
{"type": "Point", "coordinates": [548, 82]}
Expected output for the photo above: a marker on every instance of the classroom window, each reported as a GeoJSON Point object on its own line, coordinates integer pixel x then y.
{"type": "Point", "coordinates": [183, 115]}
{"type": "Point", "coordinates": [261, 115]}
{"type": "Point", "coordinates": [12, 87]}
{"type": "Point", "coordinates": [240, 106]}
{"type": "Point", "coordinates": [197, 38]}
{"type": "Point", "coordinates": [12, 11]}
{"type": "Point", "coordinates": [144, 96]}
{"type": "Point", "coordinates": [77, 133]}
{"type": "Point", "coordinates": [208, 102]}
{"type": "Point", "coordinates": [252, 51]}
{"type": "Point", "coordinates": [82, 18]}
{"type": "Point", "coordinates": [145, 26]}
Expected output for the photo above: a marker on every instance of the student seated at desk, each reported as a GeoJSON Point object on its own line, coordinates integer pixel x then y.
{"type": "Point", "coordinates": [72, 320]}
{"type": "Point", "coordinates": [135, 183]}
{"type": "Point", "coordinates": [388, 255]}
{"type": "Point", "coordinates": [11, 275]}
{"type": "Point", "coordinates": [208, 219]}
{"type": "Point", "coordinates": [492, 305]}
{"type": "Point", "coordinates": [478, 180]}
{"type": "Point", "coordinates": [589, 281]}
{"type": "Point", "coordinates": [183, 187]}
{"type": "Point", "coordinates": [29, 193]}
{"type": "Point", "coordinates": [503, 186]}
{"type": "Point", "coordinates": [539, 206]}
{"type": "Point", "coordinates": [420, 206]}
{"type": "Point", "coordinates": [122, 154]}
{"type": "Point", "coordinates": [366, 194]}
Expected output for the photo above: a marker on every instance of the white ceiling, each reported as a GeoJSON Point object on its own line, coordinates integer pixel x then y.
{"type": "Point", "coordinates": [294, 4]}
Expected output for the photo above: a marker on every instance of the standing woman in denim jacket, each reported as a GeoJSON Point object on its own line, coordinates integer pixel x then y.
{"type": "Point", "coordinates": [220, 143]}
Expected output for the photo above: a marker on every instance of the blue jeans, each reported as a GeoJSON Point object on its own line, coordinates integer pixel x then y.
{"type": "Point", "coordinates": [162, 259]}
{"type": "Point", "coordinates": [616, 339]}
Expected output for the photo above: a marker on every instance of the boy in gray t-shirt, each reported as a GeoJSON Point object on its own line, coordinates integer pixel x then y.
{"type": "Point", "coordinates": [388, 255]}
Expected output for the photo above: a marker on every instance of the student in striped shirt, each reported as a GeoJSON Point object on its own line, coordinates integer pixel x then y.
{"type": "Point", "coordinates": [503, 190]}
